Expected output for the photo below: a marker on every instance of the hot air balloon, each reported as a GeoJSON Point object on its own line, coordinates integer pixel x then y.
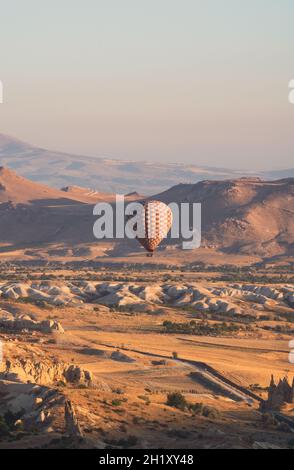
{"type": "Point", "coordinates": [156, 222]}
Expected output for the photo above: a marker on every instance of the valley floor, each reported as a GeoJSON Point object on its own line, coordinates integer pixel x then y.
{"type": "Point", "coordinates": [113, 351]}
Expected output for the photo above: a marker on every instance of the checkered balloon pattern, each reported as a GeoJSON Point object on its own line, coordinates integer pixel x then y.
{"type": "Point", "coordinates": [157, 221]}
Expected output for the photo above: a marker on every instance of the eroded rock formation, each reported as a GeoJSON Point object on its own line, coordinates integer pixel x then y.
{"type": "Point", "coordinates": [25, 322]}
{"type": "Point", "coordinates": [45, 372]}
{"type": "Point", "coordinates": [72, 426]}
{"type": "Point", "coordinates": [279, 394]}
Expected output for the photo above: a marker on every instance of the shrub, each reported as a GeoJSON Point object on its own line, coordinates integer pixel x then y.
{"type": "Point", "coordinates": [210, 412]}
{"type": "Point", "coordinates": [196, 408]}
{"type": "Point", "coordinates": [177, 400]}
{"type": "Point", "coordinates": [202, 328]}
{"type": "Point", "coordinates": [116, 402]}
{"type": "Point", "coordinates": [204, 410]}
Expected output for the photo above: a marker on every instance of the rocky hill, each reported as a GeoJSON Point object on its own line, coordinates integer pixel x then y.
{"type": "Point", "coordinates": [246, 216]}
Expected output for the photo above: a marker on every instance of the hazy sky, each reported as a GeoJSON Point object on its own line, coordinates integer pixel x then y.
{"type": "Point", "coordinates": [201, 81]}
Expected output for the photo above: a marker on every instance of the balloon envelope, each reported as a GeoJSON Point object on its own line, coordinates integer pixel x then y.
{"type": "Point", "coordinates": [156, 222]}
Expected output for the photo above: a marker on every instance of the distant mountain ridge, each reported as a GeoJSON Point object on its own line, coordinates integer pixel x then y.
{"type": "Point", "coordinates": [59, 169]}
